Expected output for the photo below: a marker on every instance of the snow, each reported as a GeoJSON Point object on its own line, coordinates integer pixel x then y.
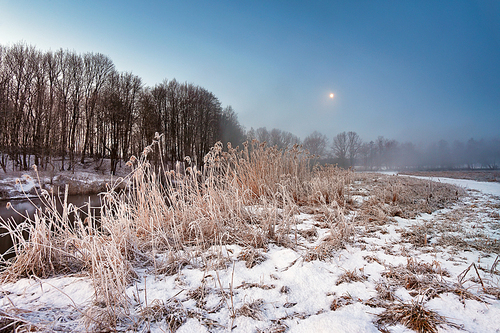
{"type": "Point", "coordinates": [16, 188]}
{"type": "Point", "coordinates": [350, 319]}
{"type": "Point", "coordinates": [296, 293]}
{"type": "Point", "coordinates": [492, 188]}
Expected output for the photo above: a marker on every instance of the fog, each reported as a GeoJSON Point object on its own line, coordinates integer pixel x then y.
{"type": "Point", "coordinates": [348, 149]}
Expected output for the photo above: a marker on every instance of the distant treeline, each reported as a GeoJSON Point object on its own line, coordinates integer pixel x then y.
{"type": "Point", "coordinates": [442, 155]}
{"type": "Point", "coordinates": [75, 106]}
{"type": "Point", "coordinates": [347, 149]}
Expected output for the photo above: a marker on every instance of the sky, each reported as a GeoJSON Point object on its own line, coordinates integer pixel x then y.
{"type": "Point", "coordinates": [408, 70]}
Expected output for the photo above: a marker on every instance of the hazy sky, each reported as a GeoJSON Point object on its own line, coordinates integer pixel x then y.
{"type": "Point", "coordinates": [407, 70]}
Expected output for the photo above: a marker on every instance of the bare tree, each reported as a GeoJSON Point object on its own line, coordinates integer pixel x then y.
{"type": "Point", "coordinates": [74, 64]}
{"type": "Point", "coordinates": [283, 139]}
{"type": "Point", "coordinates": [3, 110]}
{"type": "Point", "coordinates": [97, 67]}
{"type": "Point", "coordinates": [262, 135]}
{"type": "Point", "coordinates": [275, 137]}
{"type": "Point", "coordinates": [231, 130]}
{"type": "Point", "coordinates": [316, 144]}
{"type": "Point", "coordinates": [354, 143]}
{"type": "Point", "coordinates": [340, 148]}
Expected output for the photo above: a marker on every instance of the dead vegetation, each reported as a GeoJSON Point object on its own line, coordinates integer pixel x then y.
{"type": "Point", "coordinates": [172, 312]}
{"type": "Point", "coordinates": [341, 233]}
{"type": "Point", "coordinates": [12, 323]}
{"type": "Point", "coordinates": [413, 315]}
{"type": "Point", "coordinates": [251, 257]}
{"type": "Point", "coordinates": [402, 196]}
{"type": "Point", "coordinates": [351, 276]}
{"type": "Point", "coordinates": [252, 309]}
{"type": "Point", "coordinates": [169, 219]}
{"type": "Point", "coordinates": [339, 302]}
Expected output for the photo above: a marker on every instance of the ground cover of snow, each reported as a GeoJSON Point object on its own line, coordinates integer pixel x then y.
{"type": "Point", "coordinates": [85, 178]}
{"type": "Point", "coordinates": [284, 291]}
{"type": "Point", "coordinates": [492, 188]}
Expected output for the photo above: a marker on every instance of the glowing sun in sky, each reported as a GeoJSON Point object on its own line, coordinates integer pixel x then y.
{"type": "Point", "coordinates": [332, 95]}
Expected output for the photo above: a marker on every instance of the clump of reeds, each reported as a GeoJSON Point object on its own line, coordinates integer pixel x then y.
{"type": "Point", "coordinates": [111, 275]}
{"type": "Point", "coordinates": [329, 185]}
{"type": "Point", "coordinates": [351, 276]}
{"type": "Point", "coordinates": [252, 257]}
{"type": "Point", "coordinates": [413, 315]}
{"type": "Point", "coordinates": [206, 207]}
{"type": "Point", "coordinates": [251, 309]}
{"type": "Point", "coordinates": [48, 243]}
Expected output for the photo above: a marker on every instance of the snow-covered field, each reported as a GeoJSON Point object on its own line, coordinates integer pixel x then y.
{"type": "Point", "coordinates": [444, 263]}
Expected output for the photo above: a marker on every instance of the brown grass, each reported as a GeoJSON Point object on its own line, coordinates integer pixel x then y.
{"type": "Point", "coordinates": [413, 315]}
{"type": "Point", "coordinates": [277, 327]}
{"type": "Point", "coordinates": [251, 257]}
{"type": "Point", "coordinates": [252, 309]}
{"type": "Point", "coordinates": [48, 244]}
{"type": "Point", "coordinates": [351, 276]}
{"type": "Point", "coordinates": [341, 233]}
{"type": "Point", "coordinates": [12, 323]}
{"type": "Point", "coordinates": [173, 312]}
{"type": "Point", "coordinates": [341, 301]}
{"type": "Point", "coordinates": [403, 196]}
{"type": "Point", "coordinates": [167, 219]}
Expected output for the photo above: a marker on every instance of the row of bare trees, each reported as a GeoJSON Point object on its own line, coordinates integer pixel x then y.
{"type": "Point", "coordinates": [393, 155]}
{"type": "Point", "coordinates": [347, 149]}
{"type": "Point", "coordinates": [73, 107]}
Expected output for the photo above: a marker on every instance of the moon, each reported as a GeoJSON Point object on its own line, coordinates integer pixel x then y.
{"type": "Point", "coordinates": [332, 95]}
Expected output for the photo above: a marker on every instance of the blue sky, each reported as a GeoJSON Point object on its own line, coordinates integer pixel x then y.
{"type": "Point", "coordinates": [407, 70]}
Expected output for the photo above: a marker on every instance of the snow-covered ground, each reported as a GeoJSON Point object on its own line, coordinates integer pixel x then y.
{"type": "Point", "coordinates": [453, 273]}
{"type": "Point", "coordinates": [84, 179]}
{"type": "Point", "coordinates": [492, 188]}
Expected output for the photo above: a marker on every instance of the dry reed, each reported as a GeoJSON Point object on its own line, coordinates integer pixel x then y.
{"type": "Point", "coordinates": [413, 315]}
{"type": "Point", "coordinates": [168, 218]}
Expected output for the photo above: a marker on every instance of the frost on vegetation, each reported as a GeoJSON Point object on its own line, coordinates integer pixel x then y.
{"type": "Point", "coordinates": [258, 240]}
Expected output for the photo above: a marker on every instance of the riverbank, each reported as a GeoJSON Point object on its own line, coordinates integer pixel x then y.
{"type": "Point", "coordinates": [88, 178]}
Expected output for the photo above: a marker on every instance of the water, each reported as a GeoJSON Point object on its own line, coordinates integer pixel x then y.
{"type": "Point", "coordinates": [28, 207]}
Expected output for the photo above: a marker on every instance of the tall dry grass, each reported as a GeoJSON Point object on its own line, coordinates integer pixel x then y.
{"type": "Point", "coordinates": [166, 218]}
